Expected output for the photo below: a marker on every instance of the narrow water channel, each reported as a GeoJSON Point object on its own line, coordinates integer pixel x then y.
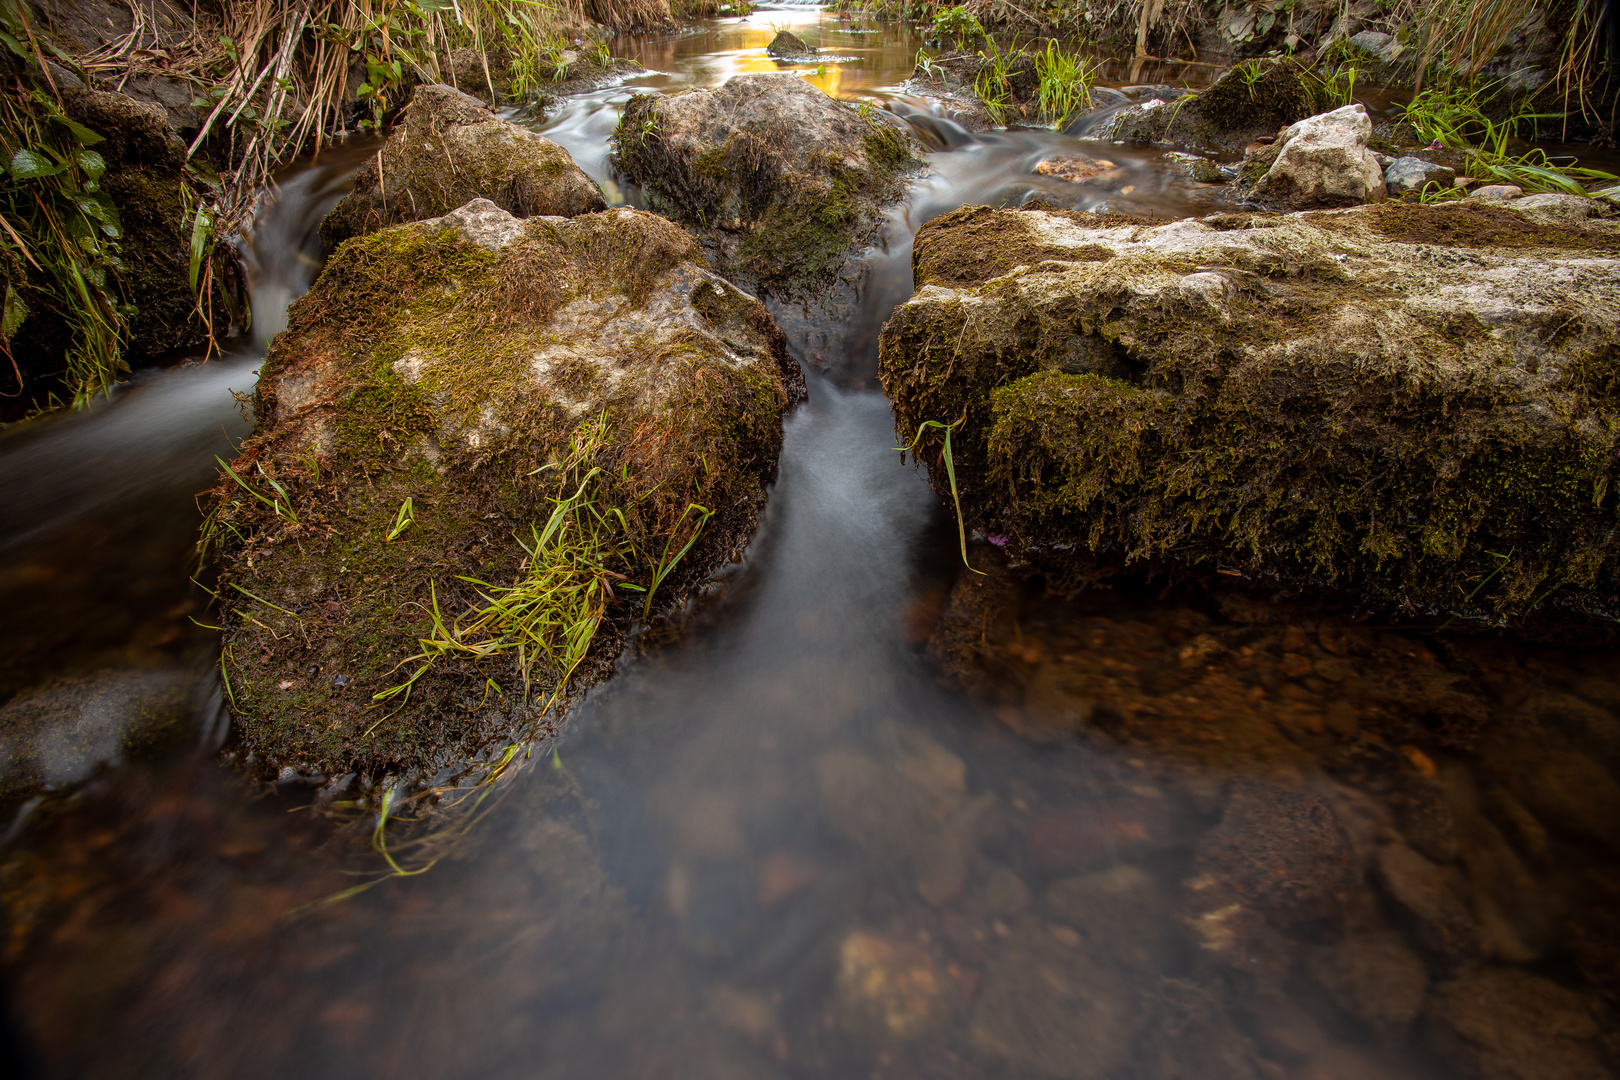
{"type": "Point", "coordinates": [845, 828]}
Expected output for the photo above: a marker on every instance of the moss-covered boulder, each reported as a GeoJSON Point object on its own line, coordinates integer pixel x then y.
{"type": "Point", "coordinates": [780, 181]}
{"type": "Point", "coordinates": [1419, 405]}
{"type": "Point", "coordinates": [449, 149]}
{"type": "Point", "coordinates": [479, 442]}
{"type": "Point", "coordinates": [1251, 100]}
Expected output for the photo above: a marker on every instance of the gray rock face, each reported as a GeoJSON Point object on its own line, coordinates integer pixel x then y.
{"type": "Point", "coordinates": [1324, 160]}
{"type": "Point", "coordinates": [450, 150]}
{"type": "Point", "coordinates": [1384, 46]}
{"type": "Point", "coordinates": [1413, 174]}
{"type": "Point", "coordinates": [1506, 1024]}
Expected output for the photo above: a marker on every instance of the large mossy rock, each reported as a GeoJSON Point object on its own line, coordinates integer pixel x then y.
{"type": "Point", "coordinates": [779, 180]}
{"type": "Point", "coordinates": [1419, 405]}
{"type": "Point", "coordinates": [437, 391]}
{"type": "Point", "coordinates": [1251, 100]}
{"type": "Point", "coordinates": [451, 149]}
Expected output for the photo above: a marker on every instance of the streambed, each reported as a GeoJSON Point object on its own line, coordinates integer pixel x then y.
{"type": "Point", "coordinates": [846, 827]}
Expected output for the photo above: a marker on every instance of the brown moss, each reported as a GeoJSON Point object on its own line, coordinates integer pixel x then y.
{"type": "Point", "coordinates": [1474, 225]}
{"type": "Point", "coordinates": [976, 243]}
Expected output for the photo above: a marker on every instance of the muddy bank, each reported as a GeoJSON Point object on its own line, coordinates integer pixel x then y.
{"type": "Point", "coordinates": [1410, 404]}
{"type": "Point", "coordinates": [478, 439]}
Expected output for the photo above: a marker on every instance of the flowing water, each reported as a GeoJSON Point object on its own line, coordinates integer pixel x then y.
{"type": "Point", "coordinates": [875, 818]}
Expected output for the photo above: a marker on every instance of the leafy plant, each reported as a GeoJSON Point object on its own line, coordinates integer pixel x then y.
{"type": "Point", "coordinates": [1066, 80]}
{"type": "Point", "coordinates": [403, 520]}
{"type": "Point", "coordinates": [956, 24]}
{"type": "Point", "coordinates": [1455, 116]}
{"type": "Point", "coordinates": [992, 84]}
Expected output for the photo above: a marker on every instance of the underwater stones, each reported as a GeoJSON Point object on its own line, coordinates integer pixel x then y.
{"type": "Point", "coordinates": [1414, 174]}
{"type": "Point", "coordinates": [1432, 902]}
{"type": "Point", "coordinates": [890, 988]}
{"type": "Point", "coordinates": [1239, 390]}
{"type": "Point", "coordinates": [1055, 1010]}
{"type": "Point", "coordinates": [1278, 858]}
{"type": "Point", "coordinates": [1324, 161]}
{"type": "Point", "coordinates": [780, 181]}
{"type": "Point", "coordinates": [1505, 1024]}
{"type": "Point", "coordinates": [441, 387]}
{"type": "Point", "coordinates": [1373, 978]}
{"type": "Point", "coordinates": [788, 44]}
{"type": "Point", "coordinates": [450, 149]}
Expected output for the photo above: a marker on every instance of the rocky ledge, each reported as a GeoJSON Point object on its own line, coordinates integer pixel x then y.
{"type": "Point", "coordinates": [1414, 404]}
{"type": "Point", "coordinates": [479, 443]}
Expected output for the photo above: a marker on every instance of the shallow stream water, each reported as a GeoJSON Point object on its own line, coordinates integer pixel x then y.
{"type": "Point", "coordinates": [874, 817]}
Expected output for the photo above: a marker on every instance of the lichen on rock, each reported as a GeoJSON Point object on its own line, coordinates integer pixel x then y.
{"type": "Point", "coordinates": [781, 181]}
{"type": "Point", "coordinates": [450, 149]}
{"type": "Point", "coordinates": [1332, 398]}
{"type": "Point", "coordinates": [484, 368]}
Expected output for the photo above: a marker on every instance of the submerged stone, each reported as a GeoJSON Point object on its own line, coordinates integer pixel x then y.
{"type": "Point", "coordinates": [449, 150]}
{"type": "Point", "coordinates": [1414, 404]}
{"type": "Point", "coordinates": [449, 396]}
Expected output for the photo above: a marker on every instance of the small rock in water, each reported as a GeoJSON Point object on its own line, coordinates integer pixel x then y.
{"type": "Point", "coordinates": [1414, 174]}
{"type": "Point", "coordinates": [1373, 978]}
{"type": "Point", "coordinates": [1440, 918]}
{"type": "Point", "coordinates": [1497, 192]}
{"type": "Point", "coordinates": [1506, 1024]}
{"type": "Point", "coordinates": [1198, 168]}
{"type": "Point", "coordinates": [786, 44]}
{"type": "Point", "coordinates": [1079, 170]}
{"type": "Point", "coordinates": [889, 988]}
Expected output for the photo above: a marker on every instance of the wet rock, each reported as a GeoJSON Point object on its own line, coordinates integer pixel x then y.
{"type": "Point", "coordinates": [1054, 1011]}
{"type": "Point", "coordinates": [1373, 978]}
{"type": "Point", "coordinates": [1198, 168]}
{"type": "Point", "coordinates": [1191, 1037]}
{"type": "Point", "coordinates": [1426, 818]}
{"type": "Point", "coordinates": [61, 732]}
{"type": "Point", "coordinates": [787, 44]}
{"type": "Point", "coordinates": [1279, 857]}
{"type": "Point", "coordinates": [912, 811]}
{"type": "Point", "coordinates": [1324, 161]}
{"type": "Point", "coordinates": [890, 988]}
{"type": "Point", "coordinates": [1251, 100]}
{"type": "Point", "coordinates": [781, 181]}
{"type": "Point", "coordinates": [1572, 791]}
{"type": "Point", "coordinates": [474, 367]}
{"type": "Point", "coordinates": [1518, 919]}
{"type": "Point", "coordinates": [1092, 835]}
{"type": "Point", "coordinates": [1506, 1024]}
{"type": "Point", "coordinates": [1075, 342]}
{"type": "Point", "coordinates": [1123, 913]}
{"type": "Point", "coordinates": [1080, 170]}
{"type": "Point", "coordinates": [1432, 903]}
{"type": "Point", "coordinates": [450, 149]}
{"type": "Point", "coordinates": [1414, 174]}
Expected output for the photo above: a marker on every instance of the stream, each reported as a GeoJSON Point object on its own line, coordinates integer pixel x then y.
{"type": "Point", "coordinates": [830, 832]}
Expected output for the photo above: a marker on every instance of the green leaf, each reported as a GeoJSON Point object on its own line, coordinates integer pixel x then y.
{"type": "Point", "coordinates": [85, 136]}
{"type": "Point", "coordinates": [202, 227]}
{"type": "Point", "coordinates": [32, 165]}
{"type": "Point", "coordinates": [14, 45]}
{"type": "Point", "coordinates": [12, 315]}
{"type": "Point", "coordinates": [93, 164]}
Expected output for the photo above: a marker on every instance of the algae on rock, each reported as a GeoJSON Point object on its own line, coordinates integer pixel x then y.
{"type": "Point", "coordinates": [450, 149]}
{"type": "Point", "coordinates": [1325, 397]}
{"type": "Point", "coordinates": [440, 392]}
{"type": "Point", "coordinates": [781, 181]}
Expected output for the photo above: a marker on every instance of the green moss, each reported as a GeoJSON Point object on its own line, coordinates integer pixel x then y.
{"type": "Point", "coordinates": [424, 348]}
{"type": "Point", "coordinates": [1261, 93]}
{"type": "Point", "coordinates": [1092, 421]}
